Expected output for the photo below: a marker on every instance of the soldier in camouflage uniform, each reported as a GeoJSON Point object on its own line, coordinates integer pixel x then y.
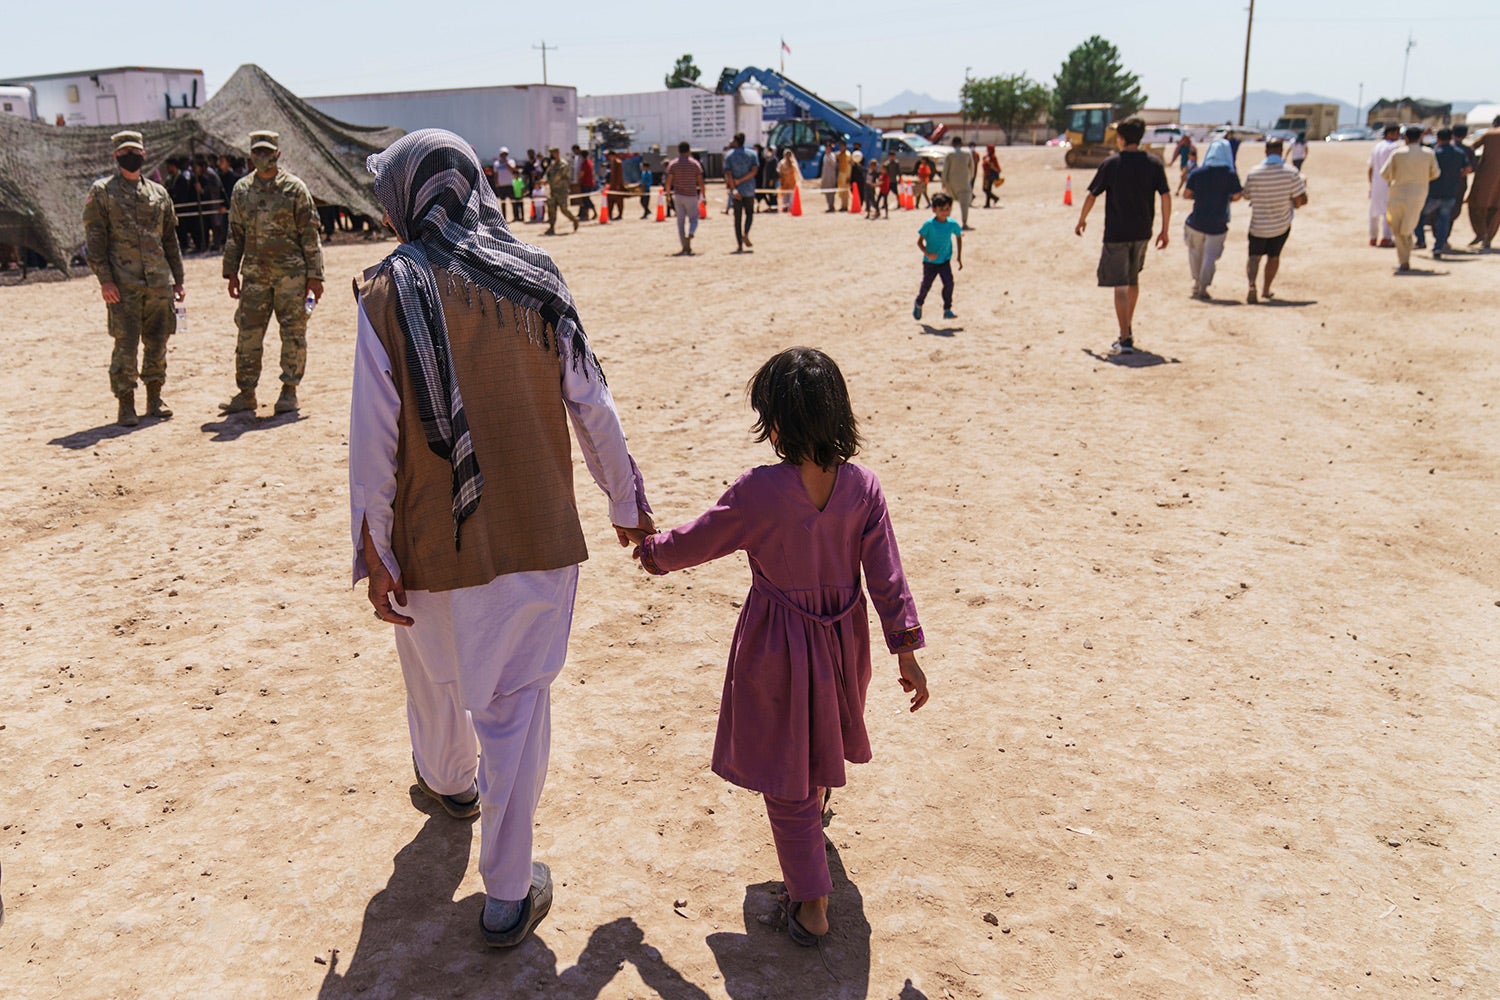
{"type": "Point", "coordinates": [559, 183]}
{"type": "Point", "coordinates": [274, 243]}
{"type": "Point", "coordinates": [133, 251]}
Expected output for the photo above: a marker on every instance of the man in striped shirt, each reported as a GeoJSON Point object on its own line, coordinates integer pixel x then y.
{"type": "Point", "coordinates": [684, 182]}
{"type": "Point", "coordinates": [1273, 189]}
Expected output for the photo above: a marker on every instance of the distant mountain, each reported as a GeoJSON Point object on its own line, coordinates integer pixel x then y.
{"type": "Point", "coordinates": [1262, 108]}
{"type": "Point", "coordinates": [908, 101]}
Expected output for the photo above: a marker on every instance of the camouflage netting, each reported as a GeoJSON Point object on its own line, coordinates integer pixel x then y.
{"type": "Point", "coordinates": [45, 171]}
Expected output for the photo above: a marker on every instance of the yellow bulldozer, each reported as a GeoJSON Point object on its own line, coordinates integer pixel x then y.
{"type": "Point", "coordinates": [1091, 134]}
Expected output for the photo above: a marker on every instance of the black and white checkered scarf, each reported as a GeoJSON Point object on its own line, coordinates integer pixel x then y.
{"type": "Point", "coordinates": [431, 185]}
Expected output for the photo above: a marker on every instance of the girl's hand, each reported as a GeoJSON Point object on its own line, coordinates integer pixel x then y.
{"type": "Point", "coordinates": [912, 679]}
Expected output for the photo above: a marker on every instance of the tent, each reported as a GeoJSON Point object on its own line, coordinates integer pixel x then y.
{"type": "Point", "coordinates": [46, 171]}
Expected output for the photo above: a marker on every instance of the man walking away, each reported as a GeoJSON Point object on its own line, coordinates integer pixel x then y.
{"type": "Point", "coordinates": [1443, 193]}
{"type": "Point", "coordinates": [684, 182]}
{"type": "Point", "coordinates": [741, 166]}
{"type": "Point", "coordinates": [1273, 189]}
{"type": "Point", "coordinates": [828, 180]}
{"type": "Point", "coordinates": [958, 179]}
{"type": "Point", "coordinates": [1380, 191]}
{"type": "Point", "coordinates": [1484, 194]}
{"type": "Point", "coordinates": [1128, 179]}
{"type": "Point", "coordinates": [1409, 172]}
{"type": "Point", "coordinates": [559, 188]}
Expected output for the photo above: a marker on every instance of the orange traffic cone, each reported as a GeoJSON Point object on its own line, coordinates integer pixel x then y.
{"type": "Point", "coordinates": [661, 206]}
{"type": "Point", "coordinates": [604, 205]}
{"type": "Point", "coordinates": [1068, 191]}
{"type": "Point", "coordinates": [797, 201]}
{"type": "Point", "coordinates": [854, 208]}
{"type": "Point", "coordinates": [702, 208]}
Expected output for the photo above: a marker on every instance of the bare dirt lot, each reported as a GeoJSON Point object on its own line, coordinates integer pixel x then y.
{"type": "Point", "coordinates": [1213, 640]}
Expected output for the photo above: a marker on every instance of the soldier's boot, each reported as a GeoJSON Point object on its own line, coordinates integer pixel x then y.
{"type": "Point", "coordinates": [127, 417]}
{"type": "Point", "coordinates": [243, 400]}
{"type": "Point", "coordinates": [287, 401]}
{"type": "Point", "coordinates": [154, 405]}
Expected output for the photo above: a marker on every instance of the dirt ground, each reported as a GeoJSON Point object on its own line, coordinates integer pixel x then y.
{"type": "Point", "coordinates": [1212, 641]}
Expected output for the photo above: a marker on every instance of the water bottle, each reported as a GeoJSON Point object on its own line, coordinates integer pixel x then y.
{"type": "Point", "coordinates": [311, 303]}
{"type": "Point", "coordinates": [181, 310]}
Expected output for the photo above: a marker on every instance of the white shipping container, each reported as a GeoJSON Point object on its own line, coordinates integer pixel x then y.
{"type": "Point", "coordinates": [119, 96]}
{"type": "Point", "coordinates": [529, 116]}
{"type": "Point", "coordinates": [18, 102]}
{"type": "Point", "coordinates": [663, 118]}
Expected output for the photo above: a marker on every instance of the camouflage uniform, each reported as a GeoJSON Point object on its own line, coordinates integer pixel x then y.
{"type": "Point", "coordinates": [559, 184]}
{"type": "Point", "coordinates": [131, 231]}
{"type": "Point", "coordinates": [274, 244]}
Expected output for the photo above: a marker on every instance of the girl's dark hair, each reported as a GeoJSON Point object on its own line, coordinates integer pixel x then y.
{"type": "Point", "coordinates": [800, 394]}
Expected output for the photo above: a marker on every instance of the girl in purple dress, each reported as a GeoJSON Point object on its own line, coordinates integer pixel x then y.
{"type": "Point", "coordinates": [799, 664]}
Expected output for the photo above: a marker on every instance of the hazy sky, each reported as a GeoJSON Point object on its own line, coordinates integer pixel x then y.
{"type": "Point", "coordinates": [315, 48]}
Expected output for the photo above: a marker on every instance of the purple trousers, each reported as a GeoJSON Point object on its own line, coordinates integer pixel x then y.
{"type": "Point", "coordinates": [797, 829]}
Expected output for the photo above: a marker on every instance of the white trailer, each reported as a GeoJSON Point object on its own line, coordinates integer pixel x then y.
{"type": "Point", "coordinates": [118, 96]}
{"type": "Point", "coordinates": [660, 119]}
{"type": "Point", "coordinates": [18, 102]}
{"type": "Point", "coordinates": [527, 116]}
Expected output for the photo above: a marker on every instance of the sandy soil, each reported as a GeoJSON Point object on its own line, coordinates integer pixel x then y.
{"type": "Point", "coordinates": [1213, 642]}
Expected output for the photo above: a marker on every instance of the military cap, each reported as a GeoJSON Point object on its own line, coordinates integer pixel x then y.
{"type": "Point", "coordinates": [127, 140]}
{"type": "Point", "coordinates": [264, 140]}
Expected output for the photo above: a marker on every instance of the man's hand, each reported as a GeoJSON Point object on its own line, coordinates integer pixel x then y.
{"type": "Point", "coordinates": [644, 529]}
{"type": "Point", "coordinates": [234, 286]}
{"type": "Point", "coordinates": [179, 293]}
{"type": "Point", "coordinates": [960, 263]}
{"type": "Point", "coordinates": [315, 286]}
{"type": "Point", "coordinates": [1082, 225]}
{"type": "Point", "coordinates": [382, 586]}
{"type": "Point", "coordinates": [1161, 240]}
{"type": "Point", "coordinates": [110, 291]}
{"type": "Point", "coordinates": [912, 679]}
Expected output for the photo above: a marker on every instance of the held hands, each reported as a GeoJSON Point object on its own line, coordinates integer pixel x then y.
{"type": "Point", "coordinates": [234, 286]}
{"type": "Point", "coordinates": [645, 527]}
{"type": "Point", "coordinates": [110, 291]}
{"type": "Point", "coordinates": [912, 679]}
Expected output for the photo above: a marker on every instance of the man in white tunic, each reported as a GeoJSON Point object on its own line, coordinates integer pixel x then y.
{"type": "Point", "coordinates": [470, 361]}
{"type": "Point", "coordinates": [1380, 188]}
{"type": "Point", "coordinates": [958, 179]}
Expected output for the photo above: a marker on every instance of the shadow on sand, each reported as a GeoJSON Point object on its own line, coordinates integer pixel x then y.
{"type": "Point", "coordinates": [940, 331]}
{"type": "Point", "coordinates": [1137, 358]}
{"type": "Point", "coordinates": [765, 962]}
{"type": "Point", "coordinates": [236, 425]}
{"type": "Point", "coordinates": [416, 940]}
{"type": "Point", "coordinates": [79, 440]}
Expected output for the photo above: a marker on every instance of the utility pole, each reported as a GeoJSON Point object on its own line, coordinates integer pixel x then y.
{"type": "Point", "coordinates": [1410, 44]}
{"type": "Point", "coordinates": [1245, 76]}
{"type": "Point", "coordinates": [860, 111]}
{"type": "Point", "coordinates": [544, 47]}
{"type": "Point", "coordinates": [1180, 87]}
{"type": "Point", "coordinates": [1359, 107]}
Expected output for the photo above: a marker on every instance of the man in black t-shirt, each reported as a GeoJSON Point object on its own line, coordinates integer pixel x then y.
{"type": "Point", "coordinates": [1130, 177]}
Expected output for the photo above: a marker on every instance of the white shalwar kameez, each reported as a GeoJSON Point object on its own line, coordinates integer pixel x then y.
{"type": "Point", "coordinates": [1380, 189]}
{"type": "Point", "coordinates": [479, 661]}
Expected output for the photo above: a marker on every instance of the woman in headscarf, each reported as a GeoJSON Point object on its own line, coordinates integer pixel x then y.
{"type": "Point", "coordinates": [470, 360]}
{"type": "Point", "coordinates": [1210, 187]}
{"type": "Point", "coordinates": [787, 173]}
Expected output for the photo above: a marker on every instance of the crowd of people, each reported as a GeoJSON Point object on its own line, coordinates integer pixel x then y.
{"type": "Point", "coordinates": [1412, 188]}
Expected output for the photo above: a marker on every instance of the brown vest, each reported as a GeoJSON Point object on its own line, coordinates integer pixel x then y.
{"type": "Point", "coordinates": [510, 375]}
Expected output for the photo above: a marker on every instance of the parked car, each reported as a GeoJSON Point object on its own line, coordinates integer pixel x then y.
{"type": "Point", "coordinates": [1059, 140]}
{"type": "Point", "coordinates": [1246, 133]}
{"type": "Point", "coordinates": [909, 148]}
{"type": "Point", "coordinates": [1163, 135]}
{"type": "Point", "coordinates": [1286, 135]}
{"type": "Point", "coordinates": [1349, 133]}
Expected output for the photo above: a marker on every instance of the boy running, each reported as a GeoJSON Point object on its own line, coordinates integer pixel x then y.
{"type": "Point", "coordinates": [936, 240]}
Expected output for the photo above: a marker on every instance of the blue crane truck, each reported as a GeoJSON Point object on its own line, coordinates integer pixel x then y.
{"type": "Point", "coordinates": [818, 124]}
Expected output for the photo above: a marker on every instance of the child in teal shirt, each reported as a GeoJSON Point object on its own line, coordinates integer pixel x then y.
{"type": "Point", "coordinates": [936, 240]}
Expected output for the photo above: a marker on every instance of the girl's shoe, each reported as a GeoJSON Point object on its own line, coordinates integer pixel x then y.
{"type": "Point", "coordinates": [801, 935]}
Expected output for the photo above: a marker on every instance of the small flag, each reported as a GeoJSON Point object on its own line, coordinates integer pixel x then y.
{"type": "Point", "coordinates": [785, 47]}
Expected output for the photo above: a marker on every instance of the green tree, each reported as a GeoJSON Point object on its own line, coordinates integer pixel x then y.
{"type": "Point", "coordinates": [1092, 74]}
{"type": "Point", "coordinates": [684, 74]}
{"type": "Point", "coordinates": [1011, 102]}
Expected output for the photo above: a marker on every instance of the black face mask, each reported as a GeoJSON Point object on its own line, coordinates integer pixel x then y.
{"type": "Point", "coordinates": [131, 161]}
